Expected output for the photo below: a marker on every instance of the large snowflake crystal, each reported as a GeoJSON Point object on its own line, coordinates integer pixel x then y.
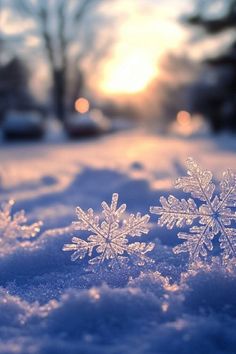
{"type": "Point", "coordinates": [13, 227]}
{"type": "Point", "coordinates": [216, 214]}
{"type": "Point", "coordinates": [108, 242]}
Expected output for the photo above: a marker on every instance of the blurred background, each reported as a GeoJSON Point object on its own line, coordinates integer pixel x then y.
{"type": "Point", "coordinates": [95, 66]}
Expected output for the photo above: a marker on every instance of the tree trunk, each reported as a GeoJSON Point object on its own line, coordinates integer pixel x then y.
{"type": "Point", "coordinates": [59, 88]}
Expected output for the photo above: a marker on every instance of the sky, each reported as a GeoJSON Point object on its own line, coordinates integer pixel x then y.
{"type": "Point", "coordinates": [147, 30]}
{"type": "Point", "coordinates": [139, 33]}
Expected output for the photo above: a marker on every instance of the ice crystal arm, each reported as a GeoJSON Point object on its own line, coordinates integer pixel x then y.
{"type": "Point", "coordinates": [175, 212]}
{"type": "Point", "coordinates": [228, 190]}
{"type": "Point", "coordinates": [136, 225]}
{"type": "Point", "coordinates": [28, 231]}
{"type": "Point", "coordinates": [5, 214]}
{"type": "Point", "coordinates": [111, 213]}
{"type": "Point", "coordinates": [20, 229]}
{"type": "Point", "coordinates": [87, 220]}
{"type": "Point", "coordinates": [228, 243]}
{"type": "Point", "coordinates": [14, 227]}
{"type": "Point", "coordinates": [197, 242]}
{"type": "Point", "coordinates": [79, 247]}
{"type": "Point", "coordinates": [198, 182]}
{"type": "Point", "coordinates": [137, 252]}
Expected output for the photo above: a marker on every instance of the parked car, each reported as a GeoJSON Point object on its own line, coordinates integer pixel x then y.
{"type": "Point", "coordinates": [23, 125]}
{"type": "Point", "coordinates": [87, 124]}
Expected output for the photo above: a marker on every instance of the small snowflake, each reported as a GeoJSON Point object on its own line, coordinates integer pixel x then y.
{"type": "Point", "coordinates": [13, 227]}
{"type": "Point", "coordinates": [108, 241]}
{"type": "Point", "coordinates": [216, 214]}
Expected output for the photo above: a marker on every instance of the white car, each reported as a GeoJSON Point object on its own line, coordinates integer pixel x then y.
{"type": "Point", "coordinates": [23, 125]}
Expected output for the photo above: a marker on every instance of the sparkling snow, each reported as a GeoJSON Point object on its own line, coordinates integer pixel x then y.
{"type": "Point", "coordinates": [49, 304]}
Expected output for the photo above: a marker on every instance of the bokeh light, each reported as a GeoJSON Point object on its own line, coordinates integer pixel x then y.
{"type": "Point", "coordinates": [184, 119]}
{"type": "Point", "coordinates": [82, 105]}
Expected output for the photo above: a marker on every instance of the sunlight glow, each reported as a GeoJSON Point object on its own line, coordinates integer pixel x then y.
{"type": "Point", "coordinates": [82, 105]}
{"type": "Point", "coordinates": [130, 75]}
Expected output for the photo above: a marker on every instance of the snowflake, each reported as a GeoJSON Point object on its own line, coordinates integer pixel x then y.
{"type": "Point", "coordinates": [108, 241]}
{"type": "Point", "coordinates": [216, 214]}
{"type": "Point", "coordinates": [13, 227]}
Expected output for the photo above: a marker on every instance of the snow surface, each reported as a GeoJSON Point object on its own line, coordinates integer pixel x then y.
{"type": "Point", "coordinates": [49, 304]}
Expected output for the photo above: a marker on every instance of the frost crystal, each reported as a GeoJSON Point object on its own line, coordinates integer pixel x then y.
{"type": "Point", "coordinates": [216, 214]}
{"type": "Point", "coordinates": [13, 227]}
{"type": "Point", "coordinates": [108, 242]}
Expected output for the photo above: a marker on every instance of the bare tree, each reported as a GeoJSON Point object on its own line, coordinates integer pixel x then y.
{"type": "Point", "coordinates": [60, 24]}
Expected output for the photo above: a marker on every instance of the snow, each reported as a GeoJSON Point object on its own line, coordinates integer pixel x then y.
{"type": "Point", "coordinates": [49, 304]}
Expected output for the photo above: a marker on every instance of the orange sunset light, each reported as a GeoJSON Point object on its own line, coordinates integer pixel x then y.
{"type": "Point", "coordinates": [130, 74]}
{"type": "Point", "coordinates": [82, 105]}
{"type": "Point", "coordinates": [184, 118]}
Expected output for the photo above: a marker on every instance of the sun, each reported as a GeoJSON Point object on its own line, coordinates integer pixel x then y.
{"type": "Point", "coordinates": [128, 75]}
